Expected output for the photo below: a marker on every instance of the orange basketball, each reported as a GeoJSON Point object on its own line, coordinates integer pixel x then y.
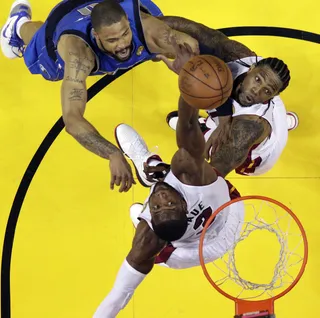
{"type": "Point", "coordinates": [205, 82]}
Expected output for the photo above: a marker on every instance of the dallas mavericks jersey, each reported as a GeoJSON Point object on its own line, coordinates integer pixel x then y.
{"type": "Point", "coordinates": [73, 17]}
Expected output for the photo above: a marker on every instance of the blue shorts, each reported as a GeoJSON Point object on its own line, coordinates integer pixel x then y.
{"type": "Point", "coordinates": [36, 56]}
{"type": "Point", "coordinates": [37, 59]}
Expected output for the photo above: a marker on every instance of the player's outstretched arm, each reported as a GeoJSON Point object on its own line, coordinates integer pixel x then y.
{"type": "Point", "coordinates": [245, 132]}
{"type": "Point", "coordinates": [188, 163]}
{"type": "Point", "coordinates": [188, 134]}
{"type": "Point", "coordinates": [79, 62]}
{"type": "Point", "coordinates": [159, 37]}
{"type": "Point", "coordinates": [211, 41]}
{"type": "Point", "coordinates": [139, 262]}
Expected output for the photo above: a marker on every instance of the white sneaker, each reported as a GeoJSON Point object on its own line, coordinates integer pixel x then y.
{"type": "Point", "coordinates": [12, 45]}
{"type": "Point", "coordinates": [172, 121]}
{"type": "Point", "coordinates": [135, 148]}
{"type": "Point", "coordinates": [135, 211]}
{"type": "Point", "coordinates": [292, 120]}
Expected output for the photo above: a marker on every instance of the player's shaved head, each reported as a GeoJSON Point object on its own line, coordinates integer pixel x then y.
{"type": "Point", "coordinates": [171, 226]}
{"type": "Point", "coordinates": [169, 212]}
{"type": "Point", "coordinates": [111, 29]}
{"type": "Point", "coordinates": [106, 13]}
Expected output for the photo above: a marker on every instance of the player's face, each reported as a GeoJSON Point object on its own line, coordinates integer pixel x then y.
{"type": "Point", "coordinates": [116, 39]}
{"type": "Point", "coordinates": [259, 85]}
{"type": "Point", "coordinates": [164, 198]}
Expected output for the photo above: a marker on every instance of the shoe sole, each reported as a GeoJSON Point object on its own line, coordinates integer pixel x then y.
{"type": "Point", "coordinates": [130, 213]}
{"type": "Point", "coordinates": [296, 118]}
{"type": "Point", "coordinates": [172, 115]}
{"type": "Point", "coordinates": [23, 2]}
{"type": "Point", "coordinates": [137, 173]}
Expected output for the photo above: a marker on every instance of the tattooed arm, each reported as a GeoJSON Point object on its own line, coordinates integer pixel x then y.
{"type": "Point", "coordinates": [159, 37]}
{"type": "Point", "coordinates": [79, 62]}
{"type": "Point", "coordinates": [215, 41]}
{"type": "Point", "coordinates": [246, 131]}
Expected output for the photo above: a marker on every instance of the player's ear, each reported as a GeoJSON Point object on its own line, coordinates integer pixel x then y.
{"type": "Point", "coordinates": [184, 205]}
{"type": "Point", "coordinates": [95, 34]}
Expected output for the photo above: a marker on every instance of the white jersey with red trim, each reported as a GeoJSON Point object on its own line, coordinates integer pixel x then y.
{"type": "Point", "coordinates": [202, 201]}
{"type": "Point", "coordinates": [262, 157]}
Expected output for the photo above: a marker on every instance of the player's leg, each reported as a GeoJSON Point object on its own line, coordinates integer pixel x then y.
{"type": "Point", "coordinates": [18, 29]}
{"type": "Point", "coordinates": [28, 30]}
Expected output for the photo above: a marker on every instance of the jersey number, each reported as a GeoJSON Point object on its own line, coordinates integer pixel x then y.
{"type": "Point", "coordinates": [203, 218]}
{"type": "Point", "coordinates": [85, 11]}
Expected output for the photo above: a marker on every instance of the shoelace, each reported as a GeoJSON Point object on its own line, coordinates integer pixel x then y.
{"type": "Point", "coordinates": [17, 43]}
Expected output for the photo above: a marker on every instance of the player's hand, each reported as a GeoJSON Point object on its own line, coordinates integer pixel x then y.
{"type": "Point", "coordinates": [219, 137]}
{"type": "Point", "coordinates": [121, 173]}
{"type": "Point", "coordinates": [156, 173]}
{"type": "Point", "coordinates": [183, 54]}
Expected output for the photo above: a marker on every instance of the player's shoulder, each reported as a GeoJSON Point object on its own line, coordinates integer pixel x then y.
{"type": "Point", "coordinates": [277, 100]}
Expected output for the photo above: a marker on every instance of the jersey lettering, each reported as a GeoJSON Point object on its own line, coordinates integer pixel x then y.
{"type": "Point", "coordinates": [200, 215]}
{"type": "Point", "coordinates": [85, 11]}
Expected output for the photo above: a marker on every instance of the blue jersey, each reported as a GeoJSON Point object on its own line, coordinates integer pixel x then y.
{"type": "Point", "coordinates": [74, 17]}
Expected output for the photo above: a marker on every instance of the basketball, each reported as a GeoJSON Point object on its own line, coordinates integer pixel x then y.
{"type": "Point", "coordinates": [205, 82]}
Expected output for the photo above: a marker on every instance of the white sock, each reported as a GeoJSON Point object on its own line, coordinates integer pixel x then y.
{"type": "Point", "coordinates": [128, 279]}
{"type": "Point", "coordinates": [20, 23]}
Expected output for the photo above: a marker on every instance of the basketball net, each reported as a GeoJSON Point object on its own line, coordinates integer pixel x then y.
{"type": "Point", "coordinates": [265, 255]}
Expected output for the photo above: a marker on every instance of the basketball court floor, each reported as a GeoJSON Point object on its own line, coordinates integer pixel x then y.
{"type": "Point", "coordinates": [73, 232]}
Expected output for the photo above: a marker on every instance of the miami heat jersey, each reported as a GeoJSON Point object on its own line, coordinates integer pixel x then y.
{"type": "Point", "coordinates": [202, 201]}
{"type": "Point", "coordinates": [263, 156]}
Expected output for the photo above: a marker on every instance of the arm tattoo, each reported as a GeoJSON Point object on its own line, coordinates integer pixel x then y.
{"type": "Point", "coordinates": [95, 143]}
{"type": "Point", "coordinates": [82, 64]}
{"type": "Point", "coordinates": [212, 39]}
{"type": "Point", "coordinates": [244, 134]}
{"type": "Point", "coordinates": [167, 35]}
{"type": "Point", "coordinates": [77, 95]}
{"type": "Point", "coordinates": [74, 80]}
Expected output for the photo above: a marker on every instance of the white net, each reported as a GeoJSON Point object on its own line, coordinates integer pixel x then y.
{"type": "Point", "coordinates": [264, 254]}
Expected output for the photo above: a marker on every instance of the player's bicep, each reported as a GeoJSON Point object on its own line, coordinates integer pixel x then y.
{"type": "Point", "coordinates": [79, 62]}
{"type": "Point", "coordinates": [247, 131]}
{"type": "Point", "coordinates": [78, 57]}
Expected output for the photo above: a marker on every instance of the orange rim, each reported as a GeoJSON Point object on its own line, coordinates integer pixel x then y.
{"type": "Point", "coordinates": [248, 302]}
